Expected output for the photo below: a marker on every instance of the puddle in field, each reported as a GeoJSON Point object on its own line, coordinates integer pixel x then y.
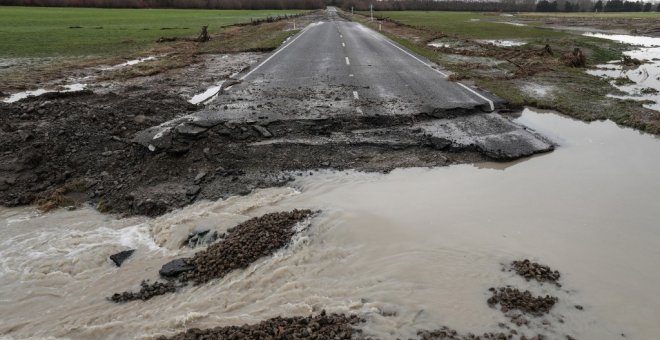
{"type": "Point", "coordinates": [22, 95]}
{"type": "Point", "coordinates": [129, 63]}
{"type": "Point", "coordinates": [420, 245]}
{"type": "Point", "coordinates": [503, 43]}
{"type": "Point", "coordinates": [511, 23]}
{"type": "Point", "coordinates": [639, 82]}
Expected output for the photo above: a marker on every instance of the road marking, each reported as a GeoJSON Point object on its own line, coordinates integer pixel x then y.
{"type": "Point", "coordinates": [355, 95]}
{"type": "Point", "coordinates": [350, 75]}
{"type": "Point", "coordinates": [341, 36]}
{"type": "Point", "coordinates": [490, 102]}
{"type": "Point", "coordinates": [276, 53]}
{"type": "Point", "coordinates": [343, 45]}
{"type": "Point", "coordinates": [348, 62]}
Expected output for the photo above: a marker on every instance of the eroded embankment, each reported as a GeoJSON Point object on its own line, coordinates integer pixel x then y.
{"type": "Point", "coordinates": [62, 149]}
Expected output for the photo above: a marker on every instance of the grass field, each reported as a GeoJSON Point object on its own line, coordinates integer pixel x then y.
{"type": "Point", "coordinates": [468, 24]}
{"type": "Point", "coordinates": [41, 31]}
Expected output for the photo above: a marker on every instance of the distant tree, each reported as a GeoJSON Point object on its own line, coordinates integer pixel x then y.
{"type": "Point", "coordinates": [648, 7]}
{"type": "Point", "coordinates": [546, 6]}
{"type": "Point", "coordinates": [614, 6]}
{"type": "Point", "coordinates": [598, 7]}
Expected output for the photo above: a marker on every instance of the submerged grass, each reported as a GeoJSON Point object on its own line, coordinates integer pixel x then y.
{"type": "Point", "coordinates": [51, 31]}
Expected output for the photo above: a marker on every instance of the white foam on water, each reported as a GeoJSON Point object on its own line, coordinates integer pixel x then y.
{"type": "Point", "coordinates": [128, 63]}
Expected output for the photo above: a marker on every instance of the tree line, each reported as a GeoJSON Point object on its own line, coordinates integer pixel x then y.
{"type": "Point", "coordinates": [197, 4]}
{"type": "Point", "coordinates": [363, 5]}
{"type": "Point", "coordinates": [503, 5]}
{"type": "Point", "coordinates": [599, 6]}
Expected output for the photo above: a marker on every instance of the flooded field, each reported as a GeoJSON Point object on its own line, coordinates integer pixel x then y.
{"type": "Point", "coordinates": [412, 249]}
{"type": "Point", "coordinates": [639, 82]}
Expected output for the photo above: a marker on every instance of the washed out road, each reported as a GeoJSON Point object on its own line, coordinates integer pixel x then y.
{"type": "Point", "coordinates": [335, 69]}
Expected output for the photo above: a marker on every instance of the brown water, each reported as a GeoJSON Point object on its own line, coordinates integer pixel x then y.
{"type": "Point", "coordinates": [425, 244]}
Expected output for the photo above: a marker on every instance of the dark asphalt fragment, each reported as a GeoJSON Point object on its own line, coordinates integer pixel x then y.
{"type": "Point", "coordinates": [121, 256]}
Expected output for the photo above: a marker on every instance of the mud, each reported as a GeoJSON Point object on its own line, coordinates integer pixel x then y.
{"type": "Point", "coordinates": [243, 245]}
{"type": "Point", "coordinates": [321, 326]}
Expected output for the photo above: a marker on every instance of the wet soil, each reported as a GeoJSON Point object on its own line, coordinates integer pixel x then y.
{"type": "Point", "coordinates": [322, 326]}
{"type": "Point", "coordinates": [241, 246]}
{"type": "Point", "coordinates": [64, 149]}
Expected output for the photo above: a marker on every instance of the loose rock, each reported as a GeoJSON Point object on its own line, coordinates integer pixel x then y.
{"type": "Point", "coordinates": [322, 326]}
{"type": "Point", "coordinates": [532, 270]}
{"type": "Point", "coordinates": [120, 257]}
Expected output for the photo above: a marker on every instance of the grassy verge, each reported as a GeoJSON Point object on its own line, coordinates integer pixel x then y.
{"type": "Point", "coordinates": [521, 75]}
{"type": "Point", "coordinates": [49, 32]}
{"type": "Point", "coordinates": [34, 71]}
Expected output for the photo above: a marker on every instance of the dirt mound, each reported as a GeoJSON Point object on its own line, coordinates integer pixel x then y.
{"type": "Point", "coordinates": [244, 244]}
{"type": "Point", "coordinates": [513, 299]}
{"type": "Point", "coordinates": [56, 145]}
{"type": "Point", "coordinates": [532, 270]}
{"type": "Point", "coordinates": [322, 326]}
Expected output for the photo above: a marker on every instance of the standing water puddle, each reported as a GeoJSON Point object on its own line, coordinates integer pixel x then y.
{"type": "Point", "coordinates": [641, 82]}
{"type": "Point", "coordinates": [413, 249]}
{"type": "Point", "coordinates": [22, 95]}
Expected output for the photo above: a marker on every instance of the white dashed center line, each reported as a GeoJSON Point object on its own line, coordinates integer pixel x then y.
{"type": "Point", "coordinates": [343, 45]}
{"type": "Point", "coordinates": [355, 95]}
{"type": "Point", "coordinates": [350, 75]}
{"type": "Point", "coordinates": [347, 61]}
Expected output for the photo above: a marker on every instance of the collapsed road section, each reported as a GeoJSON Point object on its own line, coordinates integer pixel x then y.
{"type": "Point", "coordinates": [337, 95]}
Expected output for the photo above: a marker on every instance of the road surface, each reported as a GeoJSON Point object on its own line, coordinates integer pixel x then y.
{"type": "Point", "coordinates": [335, 69]}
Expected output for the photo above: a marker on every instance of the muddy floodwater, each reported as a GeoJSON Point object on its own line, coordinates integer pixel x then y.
{"type": "Point", "coordinates": [412, 249]}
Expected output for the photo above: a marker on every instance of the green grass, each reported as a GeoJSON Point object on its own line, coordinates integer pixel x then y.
{"type": "Point", "coordinates": [45, 32]}
{"type": "Point", "coordinates": [460, 23]}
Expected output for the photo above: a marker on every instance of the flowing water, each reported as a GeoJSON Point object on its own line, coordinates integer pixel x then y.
{"type": "Point", "coordinates": [413, 249]}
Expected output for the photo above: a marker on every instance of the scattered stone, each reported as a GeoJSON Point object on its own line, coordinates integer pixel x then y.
{"type": "Point", "coordinates": [578, 307]}
{"type": "Point", "coordinates": [322, 326]}
{"type": "Point", "coordinates": [532, 270]}
{"type": "Point", "coordinates": [147, 291]}
{"type": "Point", "coordinates": [243, 244]}
{"type": "Point", "coordinates": [200, 176]}
{"type": "Point", "coordinates": [446, 333]}
{"type": "Point", "coordinates": [175, 268]}
{"type": "Point", "coordinates": [513, 299]}
{"type": "Point", "coordinates": [263, 131]}
{"type": "Point", "coordinates": [121, 256]}
{"type": "Point", "coordinates": [193, 190]}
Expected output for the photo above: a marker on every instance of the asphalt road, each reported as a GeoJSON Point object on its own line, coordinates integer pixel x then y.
{"type": "Point", "coordinates": [338, 67]}
{"type": "Point", "coordinates": [335, 68]}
